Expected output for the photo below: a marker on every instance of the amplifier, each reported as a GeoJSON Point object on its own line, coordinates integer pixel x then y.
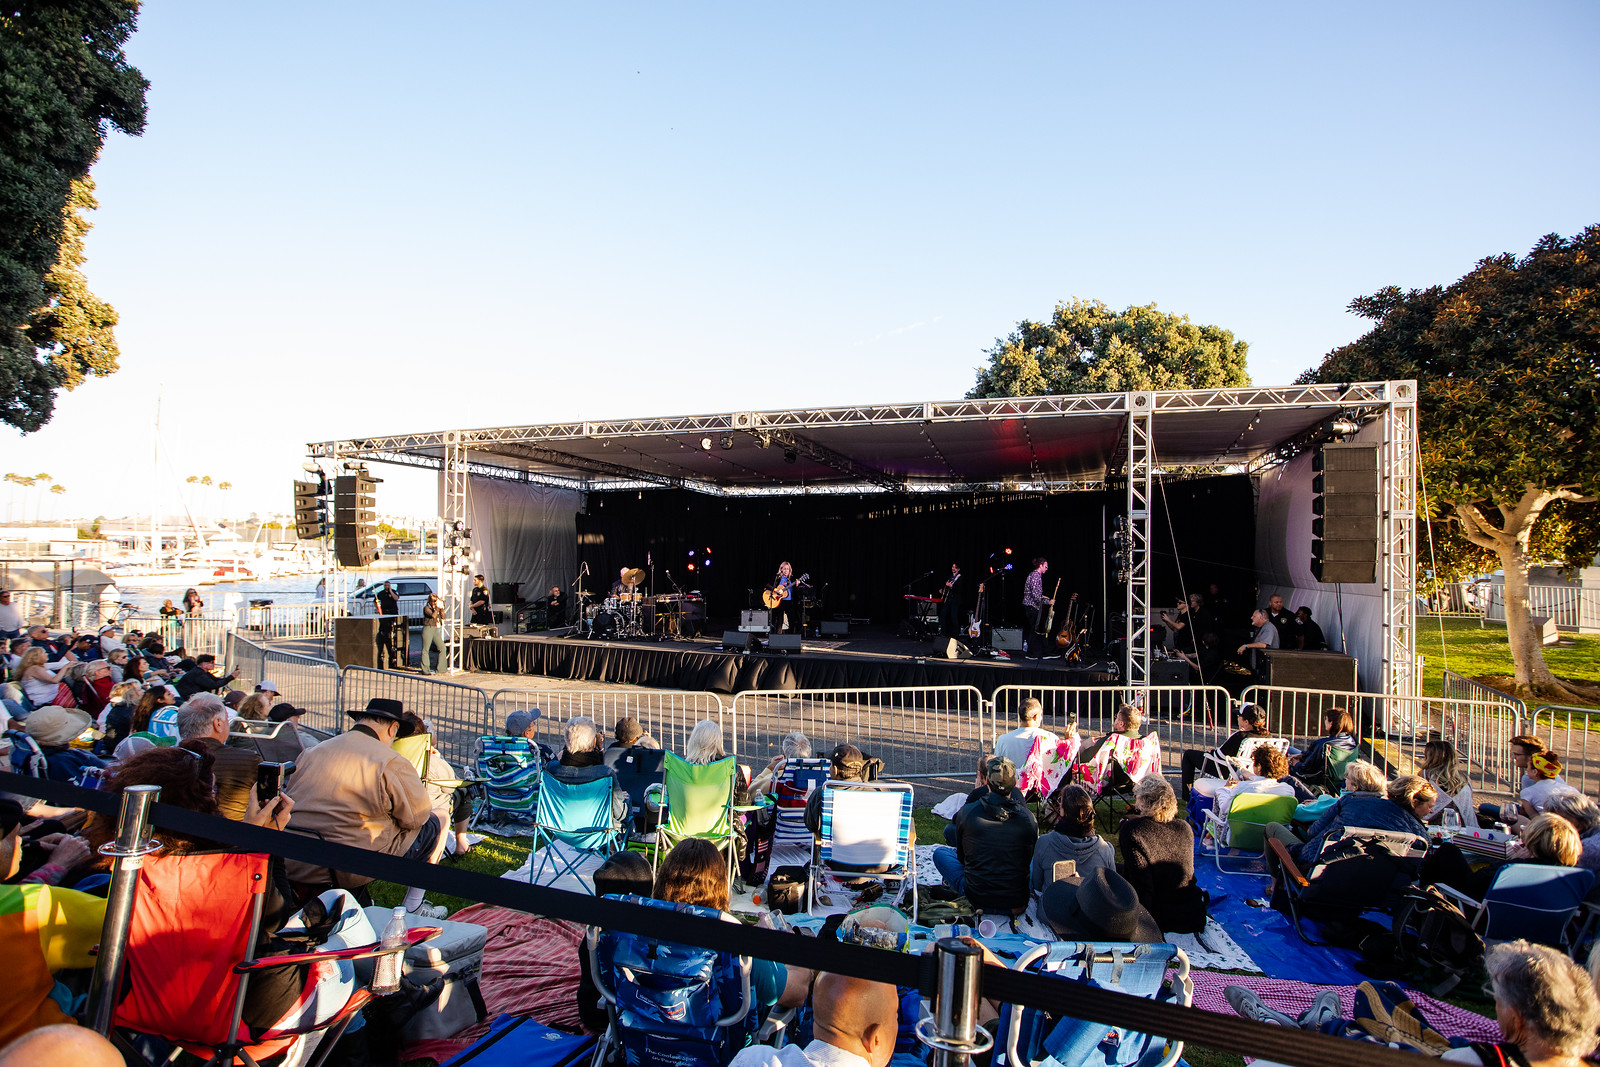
{"type": "Point", "coordinates": [755, 621]}
{"type": "Point", "coordinates": [529, 620]}
{"type": "Point", "coordinates": [1008, 639]}
{"type": "Point", "coordinates": [480, 630]}
{"type": "Point", "coordinates": [1294, 669]}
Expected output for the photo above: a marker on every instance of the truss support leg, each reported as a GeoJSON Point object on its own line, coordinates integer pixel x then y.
{"type": "Point", "coordinates": [1141, 408]}
{"type": "Point", "coordinates": [453, 554]}
{"type": "Point", "coordinates": [1398, 489]}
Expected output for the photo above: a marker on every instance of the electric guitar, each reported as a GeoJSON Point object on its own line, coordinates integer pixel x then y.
{"type": "Point", "coordinates": [1050, 616]}
{"type": "Point", "coordinates": [975, 623]}
{"type": "Point", "coordinates": [772, 595]}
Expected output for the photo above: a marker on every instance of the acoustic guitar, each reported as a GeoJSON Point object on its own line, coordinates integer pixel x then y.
{"type": "Point", "coordinates": [772, 595]}
{"type": "Point", "coordinates": [1069, 629]}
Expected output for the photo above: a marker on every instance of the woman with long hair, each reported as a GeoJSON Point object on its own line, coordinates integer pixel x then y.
{"type": "Point", "coordinates": [155, 698]}
{"type": "Point", "coordinates": [40, 680]}
{"type": "Point", "coordinates": [1441, 767]}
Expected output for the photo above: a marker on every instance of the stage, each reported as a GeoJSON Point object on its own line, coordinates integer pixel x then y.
{"type": "Point", "coordinates": [872, 659]}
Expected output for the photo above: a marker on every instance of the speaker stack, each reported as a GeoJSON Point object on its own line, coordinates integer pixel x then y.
{"type": "Point", "coordinates": [1345, 503]}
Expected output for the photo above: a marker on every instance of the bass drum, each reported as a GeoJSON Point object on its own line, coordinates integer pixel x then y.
{"type": "Point", "coordinates": [605, 624]}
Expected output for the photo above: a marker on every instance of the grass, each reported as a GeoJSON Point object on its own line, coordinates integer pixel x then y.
{"type": "Point", "coordinates": [1482, 652]}
{"type": "Point", "coordinates": [492, 856]}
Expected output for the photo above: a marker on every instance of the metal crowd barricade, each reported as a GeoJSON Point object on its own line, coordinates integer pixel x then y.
{"type": "Point", "coordinates": [203, 632]}
{"type": "Point", "coordinates": [308, 683]}
{"type": "Point", "coordinates": [457, 714]}
{"type": "Point", "coordinates": [921, 732]}
{"type": "Point", "coordinates": [666, 715]}
{"type": "Point", "coordinates": [248, 656]}
{"type": "Point", "coordinates": [1398, 727]}
{"type": "Point", "coordinates": [1184, 716]}
{"type": "Point", "coordinates": [1570, 732]}
{"type": "Point", "coordinates": [284, 622]}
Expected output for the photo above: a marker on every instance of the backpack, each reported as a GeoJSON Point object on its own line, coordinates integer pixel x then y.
{"type": "Point", "coordinates": [939, 905]}
{"type": "Point", "coordinates": [786, 889]}
{"type": "Point", "coordinates": [1430, 931]}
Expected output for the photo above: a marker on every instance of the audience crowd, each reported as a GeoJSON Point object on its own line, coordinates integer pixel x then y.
{"type": "Point", "coordinates": [1083, 855]}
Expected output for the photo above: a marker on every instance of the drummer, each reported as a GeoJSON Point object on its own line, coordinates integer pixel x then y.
{"type": "Point", "coordinates": [628, 582]}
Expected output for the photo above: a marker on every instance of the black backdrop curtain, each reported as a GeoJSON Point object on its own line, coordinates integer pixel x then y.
{"type": "Point", "coordinates": [868, 548]}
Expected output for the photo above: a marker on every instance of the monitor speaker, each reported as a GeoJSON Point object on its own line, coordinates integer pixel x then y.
{"type": "Point", "coordinates": [1169, 672]}
{"type": "Point", "coordinates": [785, 643]}
{"type": "Point", "coordinates": [950, 648]}
{"type": "Point", "coordinates": [735, 640]}
{"type": "Point", "coordinates": [833, 628]}
{"type": "Point", "coordinates": [355, 641]}
{"type": "Point", "coordinates": [1007, 639]}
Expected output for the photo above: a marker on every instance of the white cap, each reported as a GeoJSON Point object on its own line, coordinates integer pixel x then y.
{"type": "Point", "coordinates": [268, 686]}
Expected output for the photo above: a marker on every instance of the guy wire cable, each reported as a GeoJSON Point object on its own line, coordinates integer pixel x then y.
{"type": "Point", "coordinates": [1427, 511]}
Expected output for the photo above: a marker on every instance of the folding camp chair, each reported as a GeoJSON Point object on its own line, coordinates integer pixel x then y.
{"type": "Point", "coordinates": [1119, 764]}
{"type": "Point", "coordinates": [191, 954]}
{"type": "Point", "coordinates": [792, 842]}
{"type": "Point", "coordinates": [1356, 869]}
{"type": "Point", "coordinates": [668, 1003]}
{"type": "Point", "coordinates": [164, 722]}
{"type": "Point", "coordinates": [1217, 765]}
{"type": "Point", "coordinates": [696, 800]}
{"type": "Point", "coordinates": [637, 769]}
{"type": "Point", "coordinates": [1028, 1036]}
{"type": "Point", "coordinates": [26, 755]}
{"type": "Point", "coordinates": [571, 823]}
{"type": "Point", "coordinates": [1534, 901]}
{"type": "Point", "coordinates": [509, 769]}
{"type": "Point", "coordinates": [1242, 826]}
{"type": "Point", "coordinates": [865, 834]}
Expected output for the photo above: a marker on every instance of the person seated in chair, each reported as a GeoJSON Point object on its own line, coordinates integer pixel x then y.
{"type": "Point", "coordinates": [203, 721]}
{"type": "Point", "coordinates": [855, 1022]}
{"type": "Point", "coordinates": [1369, 803]}
{"type": "Point", "coordinates": [582, 760]}
{"type": "Point", "coordinates": [994, 835]}
{"type": "Point", "coordinates": [355, 789]}
{"type": "Point", "coordinates": [1072, 837]}
{"type": "Point", "coordinates": [1545, 1004]}
{"type": "Point", "coordinates": [1338, 733]}
{"type": "Point", "coordinates": [1251, 721]}
{"type": "Point", "coordinates": [849, 765]}
{"type": "Point", "coordinates": [1269, 773]}
{"type": "Point", "coordinates": [1125, 723]}
{"type": "Point", "coordinates": [54, 728]}
{"type": "Point", "coordinates": [1158, 858]}
{"type": "Point", "coordinates": [795, 745]}
{"type": "Point", "coordinates": [630, 732]}
{"type": "Point", "coordinates": [1100, 907]}
{"type": "Point", "coordinates": [1015, 745]}
{"type": "Point", "coordinates": [1584, 815]}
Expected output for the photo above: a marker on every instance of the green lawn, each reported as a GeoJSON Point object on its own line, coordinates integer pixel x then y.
{"type": "Point", "coordinates": [492, 855]}
{"type": "Point", "coordinates": [1482, 652]}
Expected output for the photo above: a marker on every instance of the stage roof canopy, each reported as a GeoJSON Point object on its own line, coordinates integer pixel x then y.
{"type": "Point", "coordinates": [1043, 443]}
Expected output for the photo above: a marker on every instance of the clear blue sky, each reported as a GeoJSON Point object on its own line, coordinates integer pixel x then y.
{"type": "Point", "coordinates": [358, 218]}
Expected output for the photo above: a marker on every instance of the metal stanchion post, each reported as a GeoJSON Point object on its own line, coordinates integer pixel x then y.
{"type": "Point", "coordinates": [952, 1031]}
{"type": "Point", "coordinates": [127, 852]}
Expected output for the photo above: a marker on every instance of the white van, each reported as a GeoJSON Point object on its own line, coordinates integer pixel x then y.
{"type": "Point", "coordinates": [411, 589]}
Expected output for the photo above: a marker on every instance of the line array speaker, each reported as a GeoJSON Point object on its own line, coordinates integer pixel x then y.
{"type": "Point", "coordinates": [1344, 529]}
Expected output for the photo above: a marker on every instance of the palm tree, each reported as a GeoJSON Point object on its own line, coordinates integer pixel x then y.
{"type": "Point", "coordinates": [38, 504]}
{"type": "Point", "coordinates": [56, 490]}
{"type": "Point", "coordinates": [12, 479]}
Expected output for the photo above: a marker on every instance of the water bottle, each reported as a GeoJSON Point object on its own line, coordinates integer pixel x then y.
{"type": "Point", "coordinates": [386, 972]}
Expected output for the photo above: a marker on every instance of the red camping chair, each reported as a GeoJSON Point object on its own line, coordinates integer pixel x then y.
{"type": "Point", "coordinates": [190, 955]}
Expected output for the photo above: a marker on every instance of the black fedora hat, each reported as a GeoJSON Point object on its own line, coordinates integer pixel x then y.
{"type": "Point", "coordinates": [1100, 906]}
{"type": "Point", "coordinates": [382, 708]}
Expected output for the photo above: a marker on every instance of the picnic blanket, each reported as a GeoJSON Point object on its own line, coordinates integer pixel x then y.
{"type": "Point", "coordinates": [530, 967]}
{"type": "Point", "coordinates": [1293, 998]}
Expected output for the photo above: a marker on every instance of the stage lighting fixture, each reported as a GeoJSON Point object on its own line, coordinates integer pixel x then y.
{"type": "Point", "coordinates": [705, 443]}
{"type": "Point", "coordinates": [1343, 427]}
{"type": "Point", "coordinates": [1008, 566]}
{"type": "Point", "coordinates": [708, 550]}
{"type": "Point", "coordinates": [706, 562]}
{"type": "Point", "coordinates": [691, 566]}
{"type": "Point", "coordinates": [789, 455]}
{"type": "Point", "coordinates": [1008, 552]}
{"type": "Point", "coordinates": [691, 553]}
{"type": "Point", "coordinates": [727, 440]}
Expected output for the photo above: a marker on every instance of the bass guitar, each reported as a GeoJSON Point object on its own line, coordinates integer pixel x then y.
{"type": "Point", "coordinates": [975, 622]}
{"type": "Point", "coordinates": [1050, 616]}
{"type": "Point", "coordinates": [772, 595]}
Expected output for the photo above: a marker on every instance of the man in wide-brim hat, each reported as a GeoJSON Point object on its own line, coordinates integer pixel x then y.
{"type": "Point", "coordinates": [354, 789]}
{"type": "Point", "coordinates": [1101, 906]}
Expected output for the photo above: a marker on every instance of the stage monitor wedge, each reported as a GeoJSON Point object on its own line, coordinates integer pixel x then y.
{"type": "Point", "coordinates": [785, 643]}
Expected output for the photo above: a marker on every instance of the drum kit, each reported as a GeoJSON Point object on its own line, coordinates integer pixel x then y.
{"type": "Point", "coordinates": [637, 615]}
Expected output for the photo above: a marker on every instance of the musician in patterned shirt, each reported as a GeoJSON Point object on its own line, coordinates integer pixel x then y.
{"type": "Point", "coordinates": [1033, 604]}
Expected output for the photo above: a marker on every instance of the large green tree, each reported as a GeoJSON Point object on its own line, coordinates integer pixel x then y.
{"type": "Point", "coordinates": [1086, 347]}
{"type": "Point", "coordinates": [1508, 364]}
{"type": "Point", "coordinates": [64, 84]}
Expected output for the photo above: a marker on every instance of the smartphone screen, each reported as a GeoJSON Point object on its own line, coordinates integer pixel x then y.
{"type": "Point", "coordinates": [269, 780]}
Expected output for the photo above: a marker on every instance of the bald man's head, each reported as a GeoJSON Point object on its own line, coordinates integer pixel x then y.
{"type": "Point", "coordinates": [857, 1016]}
{"type": "Point", "coordinates": [66, 1043]}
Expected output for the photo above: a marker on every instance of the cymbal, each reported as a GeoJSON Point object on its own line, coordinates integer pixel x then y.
{"type": "Point", "coordinates": [636, 576]}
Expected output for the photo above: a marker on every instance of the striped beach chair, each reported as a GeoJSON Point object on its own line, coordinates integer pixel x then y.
{"type": "Point", "coordinates": [791, 842]}
{"type": "Point", "coordinates": [507, 768]}
{"type": "Point", "coordinates": [866, 834]}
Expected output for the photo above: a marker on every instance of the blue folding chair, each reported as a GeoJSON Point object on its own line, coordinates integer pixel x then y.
{"type": "Point", "coordinates": [571, 823]}
{"type": "Point", "coordinates": [1533, 901]}
{"type": "Point", "coordinates": [866, 832]}
{"type": "Point", "coordinates": [1029, 1037]}
{"type": "Point", "coordinates": [508, 769]}
{"type": "Point", "coordinates": [668, 1003]}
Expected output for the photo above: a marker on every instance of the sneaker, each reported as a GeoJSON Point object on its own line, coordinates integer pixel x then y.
{"type": "Point", "coordinates": [1324, 1008]}
{"type": "Point", "coordinates": [1248, 1005]}
{"type": "Point", "coordinates": [431, 911]}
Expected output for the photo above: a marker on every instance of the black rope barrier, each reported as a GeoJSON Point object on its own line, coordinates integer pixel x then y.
{"type": "Point", "coordinates": [1225, 1032]}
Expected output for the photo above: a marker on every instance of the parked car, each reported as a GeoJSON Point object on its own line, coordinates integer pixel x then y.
{"type": "Point", "coordinates": [412, 590]}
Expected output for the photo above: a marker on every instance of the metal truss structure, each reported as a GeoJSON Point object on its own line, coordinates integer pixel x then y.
{"type": "Point", "coordinates": [1038, 444]}
{"type": "Point", "coordinates": [455, 549]}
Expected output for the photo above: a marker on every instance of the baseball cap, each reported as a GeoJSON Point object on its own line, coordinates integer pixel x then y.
{"type": "Point", "coordinates": [1000, 773]}
{"type": "Point", "coordinates": [265, 686]}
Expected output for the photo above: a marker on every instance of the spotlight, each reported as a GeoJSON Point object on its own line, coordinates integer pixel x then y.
{"type": "Point", "coordinates": [1343, 426]}
{"type": "Point", "coordinates": [789, 455]}
{"type": "Point", "coordinates": [708, 550]}
{"type": "Point", "coordinates": [1008, 552]}
{"type": "Point", "coordinates": [727, 440]}
{"type": "Point", "coordinates": [706, 562]}
{"type": "Point", "coordinates": [705, 443]}
{"type": "Point", "coordinates": [691, 553]}
{"type": "Point", "coordinates": [691, 566]}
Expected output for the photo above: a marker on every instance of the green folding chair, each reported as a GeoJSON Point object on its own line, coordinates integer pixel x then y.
{"type": "Point", "coordinates": [1243, 828]}
{"type": "Point", "coordinates": [696, 801]}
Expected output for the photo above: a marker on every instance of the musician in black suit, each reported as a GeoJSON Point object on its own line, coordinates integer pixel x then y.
{"type": "Point", "coordinates": [951, 623]}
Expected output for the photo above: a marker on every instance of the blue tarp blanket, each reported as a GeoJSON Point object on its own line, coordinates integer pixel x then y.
{"type": "Point", "coordinates": [516, 1041]}
{"type": "Point", "coordinates": [1266, 934]}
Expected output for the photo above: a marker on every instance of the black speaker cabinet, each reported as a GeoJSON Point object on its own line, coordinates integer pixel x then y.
{"type": "Point", "coordinates": [735, 640]}
{"type": "Point", "coordinates": [785, 643]}
{"type": "Point", "coordinates": [504, 593]}
{"type": "Point", "coordinates": [833, 628]}
{"type": "Point", "coordinates": [1293, 669]}
{"type": "Point", "coordinates": [355, 641]}
{"type": "Point", "coordinates": [1169, 672]}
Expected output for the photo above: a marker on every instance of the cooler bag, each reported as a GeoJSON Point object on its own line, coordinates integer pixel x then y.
{"type": "Point", "coordinates": [457, 953]}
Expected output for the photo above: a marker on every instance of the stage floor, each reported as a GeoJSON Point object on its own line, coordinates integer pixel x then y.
{"type": "Point", "coordinates": [872, 658]}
